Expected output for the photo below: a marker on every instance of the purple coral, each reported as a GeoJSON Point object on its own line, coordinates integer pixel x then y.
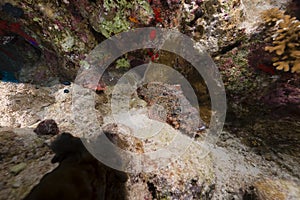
{"type": "Point", "coordinates": [285, 98]}
{"type": "Point", "coordinates": [283, 95]}
{"type": "Point", "coordinates": [47, 127]}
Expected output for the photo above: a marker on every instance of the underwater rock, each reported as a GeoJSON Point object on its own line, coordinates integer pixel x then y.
{"type": "Point", "coordinates": [115, 133]}
{"type": "Point", "coordinates": [79, 175]}
{"type": "Point", "coordinates": [24, 160]}
{"type": "Point", "coordinates": [179, 112]}
{"type": "Point", "coordinates": [21, 104]}
{"type": "Point", "coordinates": [47, 127]}
{"type": "Point", "coordinates": [12, 10]}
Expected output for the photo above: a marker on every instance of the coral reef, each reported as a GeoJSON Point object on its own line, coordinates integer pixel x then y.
{"type": "Point", "coordinates": [260, 59]}
{"type": "Point", "coordinates": [64, 32]}
{"type": "Point", "coordinates": [237, 76]}
{"type": "Point", "coordinates": [214, 24]}
{"type": "Point", "coordinates": [117, 16]}
{"type": "Point", "coordinates": [68, 30]}
{"type": "Point", "coordinates": [286, 32]}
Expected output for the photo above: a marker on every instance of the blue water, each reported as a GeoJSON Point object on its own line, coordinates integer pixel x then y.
{"type": "Point", "coordinates": [8, 76]}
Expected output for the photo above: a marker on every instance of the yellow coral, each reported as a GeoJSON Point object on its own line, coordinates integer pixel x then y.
{"type": "Point", "coordinates": [286, 36]}
{"type": "Point", "coordinates": [279, 49]}
{"type": "Point", "coordinates": [282, 65]}
{"type": "Point", "coordinates": [295, 54]}
{"type": "Point", "coordinates": [292, 45]}
{"type": "Point", "coordinates": [271, 16]}
{"type": "Point", "coordinates": [296, 66]}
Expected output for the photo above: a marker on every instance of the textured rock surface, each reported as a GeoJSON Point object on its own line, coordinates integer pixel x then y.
{"type": "Point", "coordinates": [168, 176]}
{"type": "Point", "coordinates": [229, 170]}
{"type": "Point", "coordinates": [20, 104]}
{"type": "Point", "coordinates": [24, 159]}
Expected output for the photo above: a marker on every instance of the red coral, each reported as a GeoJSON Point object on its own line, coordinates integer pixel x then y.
{"type": "Point", "coordinates": [152, 55]}
{"type": "Point", "coordinates": [15, 28]}
{"type": "Point", "coordinates": [265, 68]}
{"type": "Point", "coordinates": [157, 14]}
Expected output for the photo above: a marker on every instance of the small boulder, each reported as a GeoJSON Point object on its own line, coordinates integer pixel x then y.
{"type": "Point", "coordinates": [47, 127]}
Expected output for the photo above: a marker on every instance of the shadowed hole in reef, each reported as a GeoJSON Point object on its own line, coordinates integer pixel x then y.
{"type": "Point", "coordinates": [22, 62]}
{"type": "Point", "coordinates": [152, 189]}
{"type": "Point", "coordinates": [249, 194]}
{"type": "Point", "coordinates": [15, 54]}
{"type": "Point", "coordinates": [28, 59]}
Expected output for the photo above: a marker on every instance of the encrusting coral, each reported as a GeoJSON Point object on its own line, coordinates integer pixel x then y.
{"type": "Point", "coordinates": [286, 43]}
